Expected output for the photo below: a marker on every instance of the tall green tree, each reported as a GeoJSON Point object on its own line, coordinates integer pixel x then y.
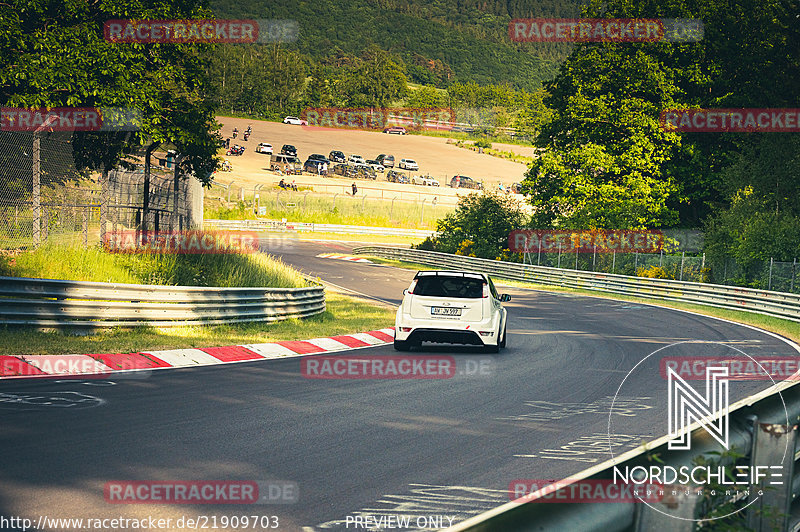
{"type": "Point", "coordinates": [53, 54]}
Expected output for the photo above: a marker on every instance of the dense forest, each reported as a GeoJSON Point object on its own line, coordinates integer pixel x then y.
{"type": "Point", "coordinates": [439, 41]}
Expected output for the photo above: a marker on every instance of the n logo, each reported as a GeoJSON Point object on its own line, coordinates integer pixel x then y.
{"type": "Point", "coordinates": [686, 406]}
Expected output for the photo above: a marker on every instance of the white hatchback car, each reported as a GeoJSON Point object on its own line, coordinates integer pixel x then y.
{"type": "Point", "coordinates": [294, 121]}
{"type": "Point", "coordinates": [451, 307]}
{"type": "Point", "coordinates": [264, 147]}
{"type": "Point", "coordinates": [408, 164]}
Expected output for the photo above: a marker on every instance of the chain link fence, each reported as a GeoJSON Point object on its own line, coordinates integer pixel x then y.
{"type": "Point", "coordinates": [767, 275]}
{"type": "Point", "coordinates": [45, 199]}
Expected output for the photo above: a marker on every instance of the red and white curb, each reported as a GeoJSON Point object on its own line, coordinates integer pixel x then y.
{"type": "Point", "coordinates": [105, 364]}
{"type": "Point", "coordinates": [351, 258]}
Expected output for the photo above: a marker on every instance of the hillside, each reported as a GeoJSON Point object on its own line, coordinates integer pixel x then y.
{"type": "Point", "coordinates": [441, 41]}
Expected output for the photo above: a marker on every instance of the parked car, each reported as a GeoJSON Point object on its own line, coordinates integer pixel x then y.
{"type": "Point", "coordinates": [288, 149]}
{"type": "Point", "coordinates": [395, 130]}
{"type": "Point", "coordinates": [264, 147]}
{"type": "Point", "coordinates": [451, 307]}
{"type": "Point", "coordinates": [313, 166]}
{"type": "Point", "coordinates": [285, 163]}
{"type": "Point", "coordinates": [375, 165]}
{"type": "Point", "coordinates": [386, 160]}
{"type": "Point", "coordinates": [294, 121]}
{"type": "Point", "coordinates": [408, 164]}
{"type": "Point", "coordinates": [356, 159]}
{"type": "Point", "coordinates": [462, 181]}
{"type": "Point", "coordinates": [424, 180]}
{"type": "Point", "coordinates": [337, 156]}
{"type": "Point", "coordinates": [396, 177]}
{"type": "Point", "coordinates": [319, 157]}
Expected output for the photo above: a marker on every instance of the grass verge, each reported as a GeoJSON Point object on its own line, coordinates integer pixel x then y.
{"type": "Point", "coordinates": [786, 328]}
{"type": "Point", "coordinates": [76, 263]}
{"type": "Point", "coordinates": [328, 209]}
{"type": "Point", "coordinates": [344, 315]}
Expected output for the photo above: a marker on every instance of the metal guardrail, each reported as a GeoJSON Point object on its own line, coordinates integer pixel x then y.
{"type": "Point", "coordinates": [51, 303]}
{"type": "Point", "coordinates": [760, 429]}
{"type": "Point", "coordinates": [278, 225]}
{"type": "Point", "coordinates": [777, 304]}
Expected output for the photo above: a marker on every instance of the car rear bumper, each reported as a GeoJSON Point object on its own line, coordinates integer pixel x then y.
{"type": "Point", "coordinates": [475, 333]}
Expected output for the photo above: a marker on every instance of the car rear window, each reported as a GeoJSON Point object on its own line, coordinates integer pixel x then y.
{"type": "Point", "coordinates": [459, 287]}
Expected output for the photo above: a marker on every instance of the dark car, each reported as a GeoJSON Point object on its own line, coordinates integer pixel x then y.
{"type": "Point", "coordinates": [319, 157]}
{"type": "Point", "coordinates": [288, 149]}
{"type": "Point", "coordinates": [396, 177]}
{"type": "Point", "coordinates": [386, 160]}
{"type": "Point", "coordinates": [337, 156]}
{"type": "Point", "coordinates": [313, 166]}
{"type": "Point", "coordinates": [462, 181]}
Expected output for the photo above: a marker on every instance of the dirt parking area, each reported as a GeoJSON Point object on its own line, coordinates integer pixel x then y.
{"type": "Point", "coordinates": [433, 154]}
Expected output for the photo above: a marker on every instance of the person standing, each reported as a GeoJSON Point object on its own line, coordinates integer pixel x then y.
{"type": "Point", "coordinates": [355, 188]}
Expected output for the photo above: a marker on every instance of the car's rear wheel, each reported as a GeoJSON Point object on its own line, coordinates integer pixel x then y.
{"type": "Point", "coordinates": [505, 335]}
{"type": "Point", "coordinates": [401, 345]}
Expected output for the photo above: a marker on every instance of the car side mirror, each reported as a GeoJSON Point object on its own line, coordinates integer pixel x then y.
{"type": "Point", "coordinates": [505, 297]}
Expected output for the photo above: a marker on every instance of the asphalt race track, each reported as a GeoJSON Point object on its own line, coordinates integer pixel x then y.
{"type": "Point", "coordinates": [433, 449]}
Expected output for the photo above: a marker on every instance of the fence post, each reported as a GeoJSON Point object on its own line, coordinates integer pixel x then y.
{"type": "Point", "coordinates": [613, 261]}
{"type": "Point", "coordinates": [794, 268]}
{"type": "Point", "coordinates": [559, 255]}
{"type": "Point", "coordinates": [539, 258]}
{"type": "Point", "coordinates": [422, 212]}
{"type": "Point", "coordinates": [635, 262]}
{"type": "Point", "coordinates": [103, 205]}
{"type": "Point", "coordinates": [661, 259]}
{"type": "Point", "coordinates": [594, 257]}
{"type": "Point", "coordinates": [36, 197]}
{"type": "Point", "coordinates": [85, 226]}
{"type": "Point", "coordinates": [770, 511]}
{"type": "Point", "coordinates": [683, 258]}
{"type": "Point", "coordinates": [769, 282]}
{"type": "Point", "coordinates": [229, 190]}
{"type": "Point", "coordinates": [576, 260]}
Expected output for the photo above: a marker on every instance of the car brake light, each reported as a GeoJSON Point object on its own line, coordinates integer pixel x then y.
{"type": "Point", "coordinates": [412, 287]}
{"type": "Point", "coordinates": [485, 290]}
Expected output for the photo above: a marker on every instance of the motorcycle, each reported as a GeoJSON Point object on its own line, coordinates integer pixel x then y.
{"type": "Point", "coordinates": [246, 135]}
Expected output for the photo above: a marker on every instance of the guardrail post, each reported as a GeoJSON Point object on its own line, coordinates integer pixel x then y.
{"type": "Point", "coordinates": [674, 512]}
{"type": "Point", "coordinates": [769, 502]}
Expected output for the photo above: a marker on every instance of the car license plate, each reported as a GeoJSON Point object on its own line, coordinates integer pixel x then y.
{"type": "Point", "coordinates": [445, 311]}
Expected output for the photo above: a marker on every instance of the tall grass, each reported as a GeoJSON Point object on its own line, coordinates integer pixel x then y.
{"type": "Point", "coordinates": [54, 261]}
{"type": "Point", "coordinates": [346, 210]}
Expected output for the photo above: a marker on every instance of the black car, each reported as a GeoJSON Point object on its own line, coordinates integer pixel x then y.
{"type": "Point", "coordinates": [396, 177]}
{"type": "Point", "coordinates": [462, 181]}
{"type": "Point", "coordinates": [319, 157]}
{"type": "Point", "coordinates": [337, 156]}
{"type": "Point", "coordinates": [313, 166]}
{"type": "Point", "coordinates": [288, 149]}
